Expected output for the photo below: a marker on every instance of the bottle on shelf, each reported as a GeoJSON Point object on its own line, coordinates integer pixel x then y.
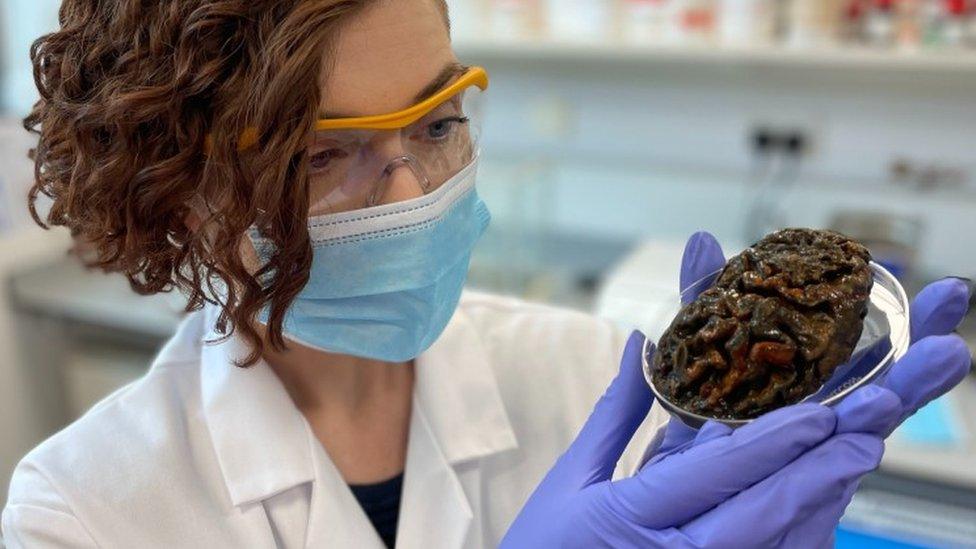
{"type": "Point", "coordinates": [648, 21]}
{"type": "Point", "coordinates": [956, 25]}
{"type": "Point", "coordinates": [695, 22]}
{"type": "Point", "coordinates": [852, 16]}
{"type": "Point", "coordinates": [513, 19]}
{"type": "Point", "coordinates": [881, 23]}
{"type": "Point", "coordinates": [744, 23]}
{"type": "Point", "coordinates": [580, 20]}
{"type": "Point", "coordinates": [908, 26]}
{"type": "Point", "coordinates": [933, 20]}
{"type": "Point", "coordinates": [812, 23]}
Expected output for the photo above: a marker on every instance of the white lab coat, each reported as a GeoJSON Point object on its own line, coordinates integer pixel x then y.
{"type": "Point", "coordinates": [199, 453]}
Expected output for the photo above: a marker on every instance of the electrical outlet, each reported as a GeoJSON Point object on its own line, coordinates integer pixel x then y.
{"type": "Point", "coordinates": [793, 133]}
{"type": "Point", "coordinates": [796, 143]}
{"type": "Point", "coordinates": [766, 139]}
{"type": "Point", "coordinates": [762, 140]}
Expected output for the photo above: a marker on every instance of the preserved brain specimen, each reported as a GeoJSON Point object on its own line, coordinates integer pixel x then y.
{"type": "Point", "coordinates": [782, 316]}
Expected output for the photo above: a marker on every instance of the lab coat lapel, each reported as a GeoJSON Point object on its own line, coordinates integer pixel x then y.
{"type": "Point", "coordinates": [258, 435]}
{"type": "Point", "coordinates": [458, 418]}
{"type": "Point", "coordinates": [434, 511]}
{"type": "Point", "coordinates": [335, 518]}
{"type": "Point", "coordinates": [457, 388]}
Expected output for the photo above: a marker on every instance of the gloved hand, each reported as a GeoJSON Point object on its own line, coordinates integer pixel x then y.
{"type": "Point", "coordinates": [672, 503]}
{"type": "Point", "coordinates": [935, 363]}
{"type": "Point", "coordinates": [787, 475]}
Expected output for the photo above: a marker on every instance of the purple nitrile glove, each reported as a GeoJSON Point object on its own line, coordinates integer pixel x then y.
{"type": "Point", "coordinates": [781, 481]}
{"type": "Point", "coordinates": [706, 495]}
{"type": "Point", "coordinates": [577, 504]}
{"type": "Point", "coordinates": [935, 363]}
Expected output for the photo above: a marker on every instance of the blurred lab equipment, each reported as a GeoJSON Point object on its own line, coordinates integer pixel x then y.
{"type": "Point", "coordinates": [775, 171]}
{"type": "Point", "coordinates": [908, 31]}
{"type": "Point", "coordinates": [584, 20]}
{"type": "Point", "coordinates": [956, 22]}
{"type": "Point", "coordinates": [514, 19]}
{"type": "Point", "coordinates": [696, 22]}
{"type": "Point", "coordinates": [647, 21]}
{"type": "Point", "coordinates": [892, 238]}
{"type": "Point", "coordinates": [881, 23]}
{"type": "Point", "coordinates": [805, 25]}
{"type": "Point", "coordinates": [811, 23]}
{"type": "Point", "coordinates": [521, 254]}
{"type": "Point", "coordinates": [747, 22]}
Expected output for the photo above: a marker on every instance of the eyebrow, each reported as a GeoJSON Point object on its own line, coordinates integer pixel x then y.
{"type": "Point", "coordinates": [448, 73]}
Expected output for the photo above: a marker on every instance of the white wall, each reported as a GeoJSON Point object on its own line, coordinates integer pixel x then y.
{"type": "Point", "coordinates": [21, 21]}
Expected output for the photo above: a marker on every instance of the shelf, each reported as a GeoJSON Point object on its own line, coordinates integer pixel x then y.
{"type": "Point", "coordinates": [958, 61]}
{"type": "Point", "coordinates": [65, 290]}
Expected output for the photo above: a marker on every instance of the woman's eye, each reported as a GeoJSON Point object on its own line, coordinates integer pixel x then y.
{"type": "Point", "coordinates": [441, 129]}
{"type": "Point", "coordinates": [322, 159]}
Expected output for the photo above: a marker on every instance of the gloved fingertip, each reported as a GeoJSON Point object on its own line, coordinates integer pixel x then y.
{"type": "Point", "coordinates": [702, 256]}
{"type": "Point", "coordinates": [931, 368]}
{"type": "Point", "coordinates": [634, 352]}
{"type": "Point", "coordinates": [961, 360]}
{"type": "Point", "coordinates": [636, 341]}
{"type": "Point", "coordinates": [871, 409]}
{"type": "Point", "coordinates": [697, 240]}
{"type": "Point", "coordinates": [712, 430]}
{"type": "Point", "coordinates": [940, 307]}
{"type": "Point", "coordinates": [965, 281]}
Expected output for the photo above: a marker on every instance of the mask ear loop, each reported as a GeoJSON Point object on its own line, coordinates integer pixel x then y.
{"type": "Point", "coordinates": [406, 160]}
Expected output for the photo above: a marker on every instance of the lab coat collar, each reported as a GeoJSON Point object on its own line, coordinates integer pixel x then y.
{"type": "Point", "coordinates": [261, 439]}
{"type": "Point", "coordinates": [458, 392]}
{"type": "Point", "coordinates": [258, 434]}
{"type": "Point", "coordinates": [457, 389]}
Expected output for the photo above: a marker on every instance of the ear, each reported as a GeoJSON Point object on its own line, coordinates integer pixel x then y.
{"type": "Point", "coordinates": [194, 221]}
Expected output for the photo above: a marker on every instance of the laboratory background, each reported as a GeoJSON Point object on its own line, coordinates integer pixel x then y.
{"type": "Point", "coordinates": [614, 130]}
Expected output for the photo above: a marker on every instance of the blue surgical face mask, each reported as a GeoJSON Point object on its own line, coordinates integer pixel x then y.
{"type": "Point", "coordinates": [386, 280]}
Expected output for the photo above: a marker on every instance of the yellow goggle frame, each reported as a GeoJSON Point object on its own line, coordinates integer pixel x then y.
{"type": "Point", "coordinates": [475, 76]}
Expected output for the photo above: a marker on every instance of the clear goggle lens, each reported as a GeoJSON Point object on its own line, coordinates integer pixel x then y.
{"type": "Point", "coordinates": [352, 169]}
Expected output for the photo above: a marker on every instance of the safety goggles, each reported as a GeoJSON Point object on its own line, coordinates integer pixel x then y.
{"type": "Point", "coordinates": [353, 160]}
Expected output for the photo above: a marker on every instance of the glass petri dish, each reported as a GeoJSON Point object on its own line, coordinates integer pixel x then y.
{"type": "Point", "coordinates": [884, 340]}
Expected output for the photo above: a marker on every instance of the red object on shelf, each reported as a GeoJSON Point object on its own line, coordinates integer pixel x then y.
{"type": "Point", "coordinates": [855, 10]}
{"type": "Point", "coordinates": [884, 5]}
{"type": "Point", "coordinates": [957, 7]}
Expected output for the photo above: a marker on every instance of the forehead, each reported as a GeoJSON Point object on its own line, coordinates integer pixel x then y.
{"type": "Point", "coordinates": [384, 56]}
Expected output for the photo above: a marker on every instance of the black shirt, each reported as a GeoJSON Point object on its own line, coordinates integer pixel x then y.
{"type": "Point", "coordinates": [381, 502]}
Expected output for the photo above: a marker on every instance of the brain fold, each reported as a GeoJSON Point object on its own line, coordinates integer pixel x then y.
{"type": "Point", "coordinates": [782, 316]}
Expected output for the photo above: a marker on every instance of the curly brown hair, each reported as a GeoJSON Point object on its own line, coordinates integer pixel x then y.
{"type": "Point", "coordinates": [129, 92]}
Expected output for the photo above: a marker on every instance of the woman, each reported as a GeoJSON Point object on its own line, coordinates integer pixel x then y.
{"type": "Point", "coordinates": [332, 387]}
